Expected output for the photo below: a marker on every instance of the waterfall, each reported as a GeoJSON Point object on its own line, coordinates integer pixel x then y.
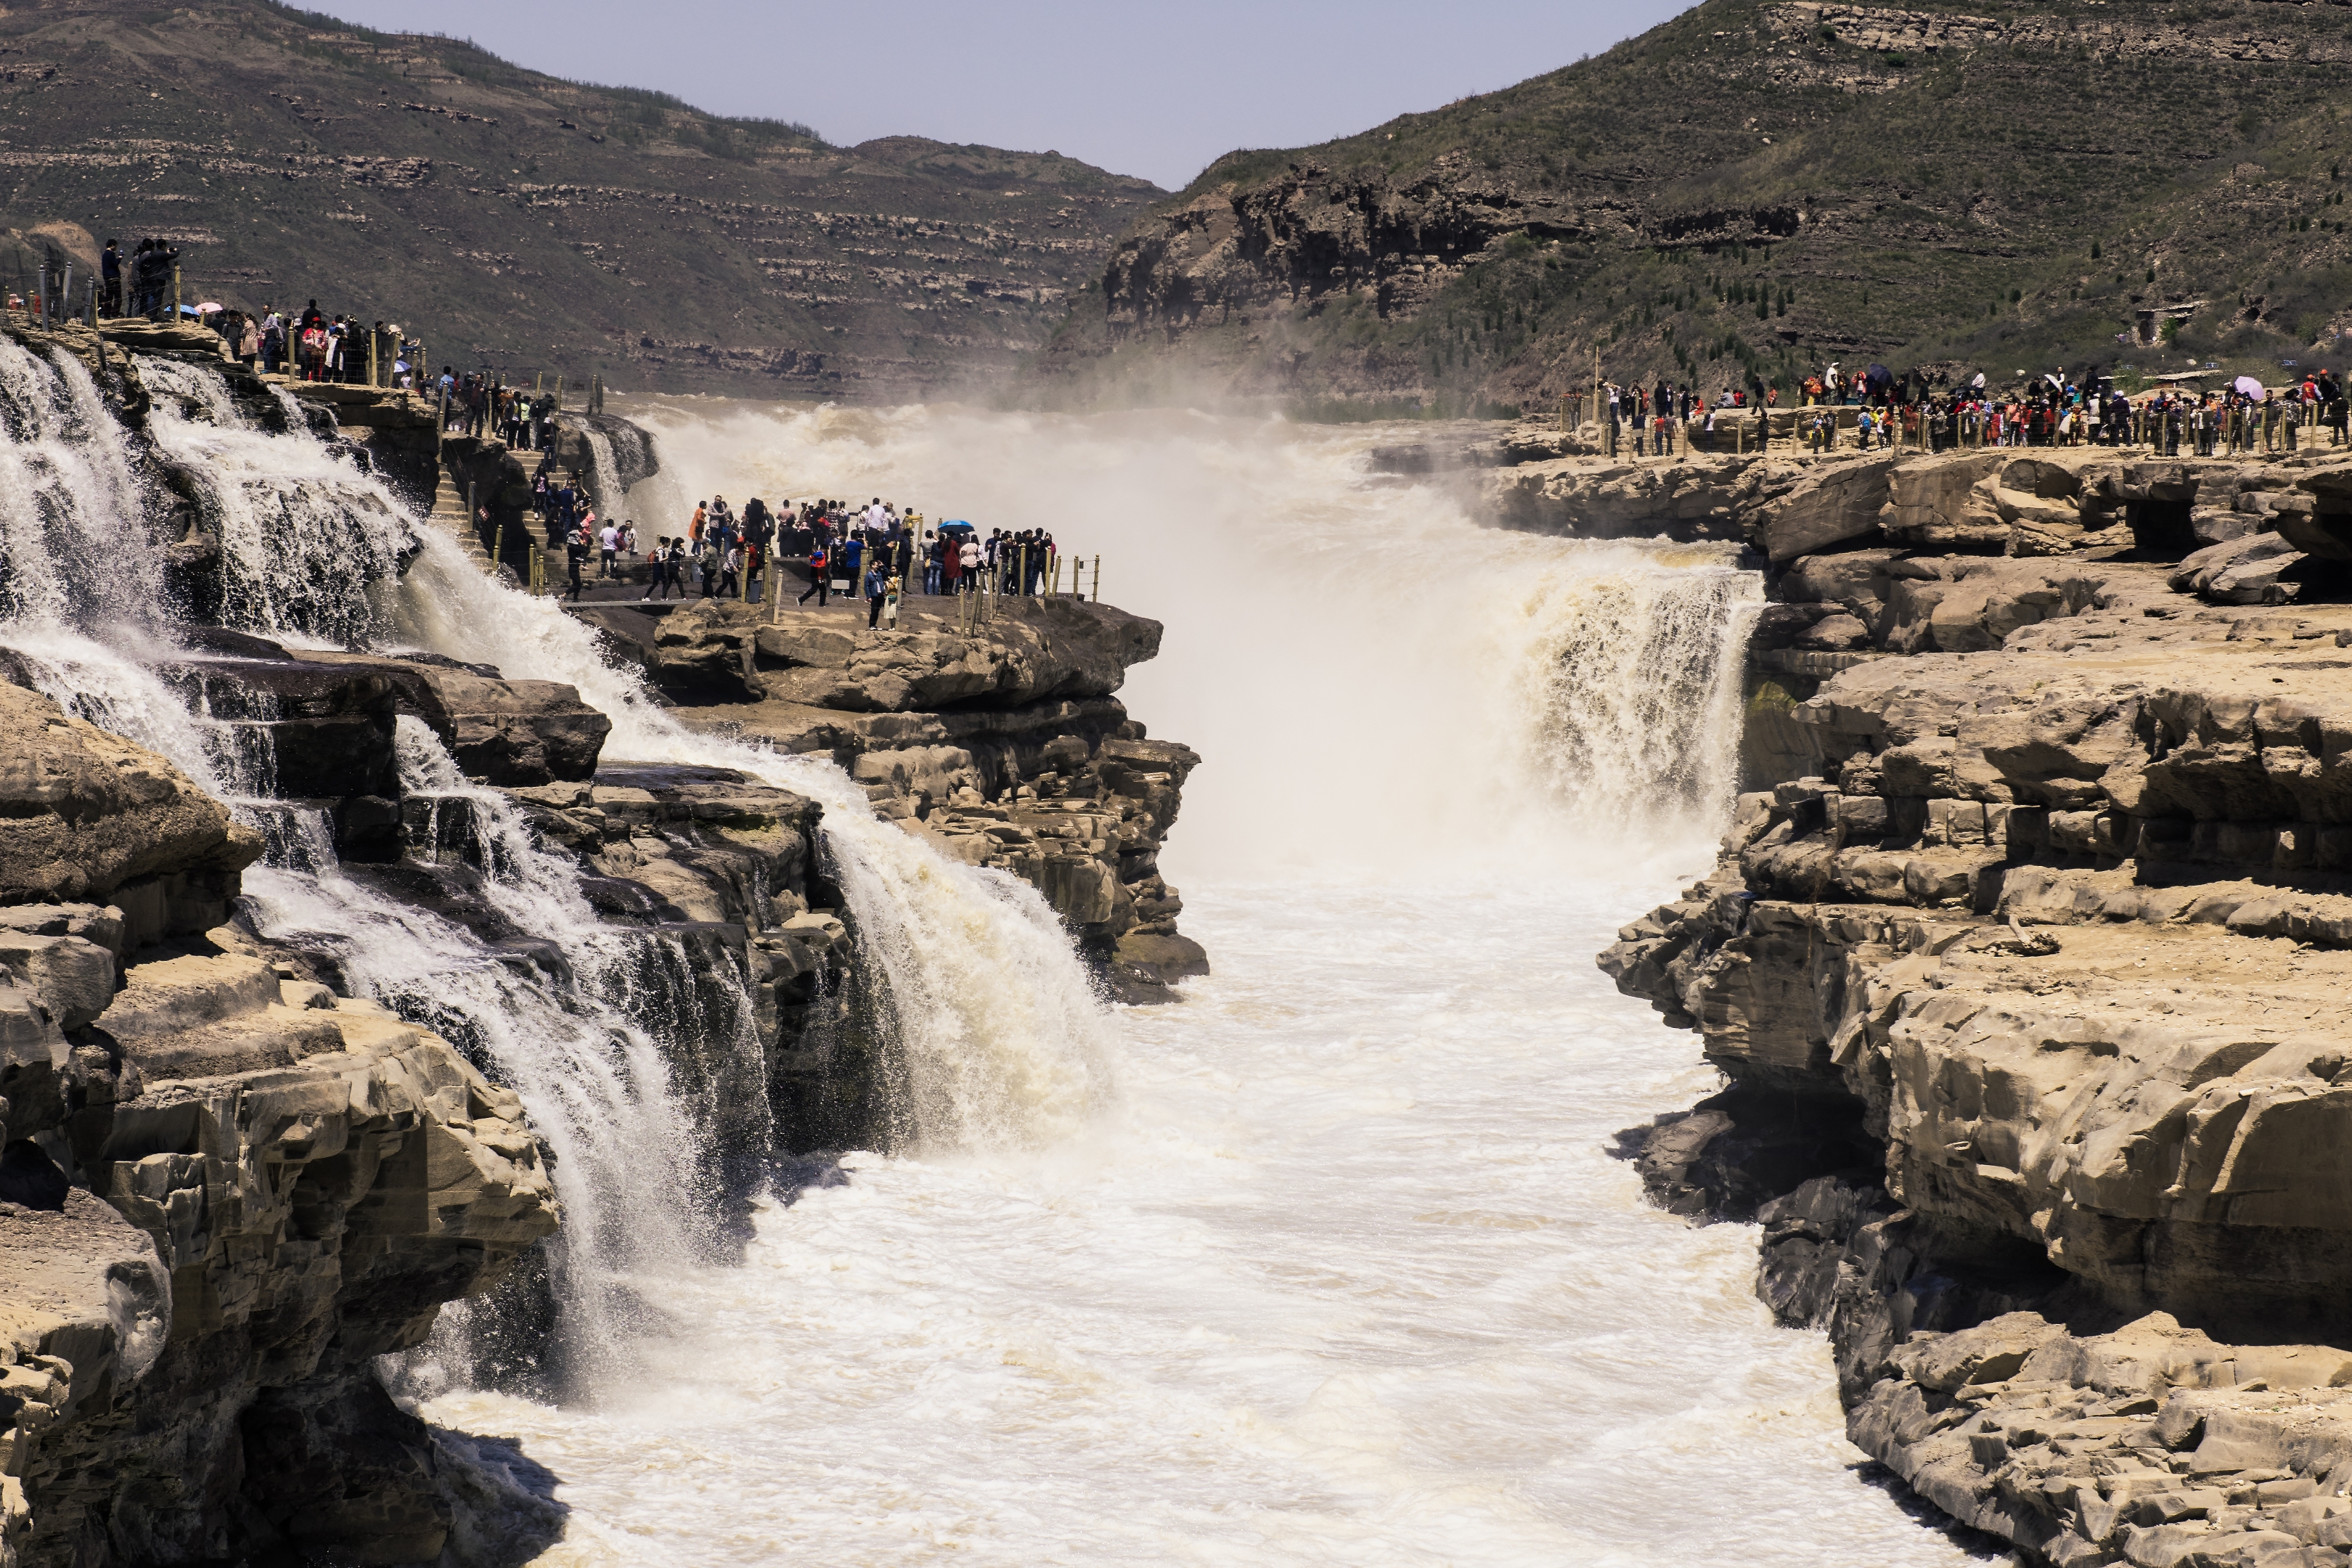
{"type": "Point", "coordinates": [998, 1027]}
{"type": "Point", "coordinates": [1629, 683]}
{"type": "Point", "coordinates": [604, 475]}
{"type": "Point", "coordinates": [634, 1051]}
{"type": "Point", "coordinates": [1522, 701]}
{"type": "Point", "coordinates": [615, 1039]}
{"type": "Point", "coordinates": [998, 1032]}
{"type": "Point", "coordinates": [74, 548]}
{"type": "Point", "coordinates": [307, 540]}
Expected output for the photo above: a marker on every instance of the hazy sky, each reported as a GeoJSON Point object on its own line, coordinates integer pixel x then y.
{"type": "Point", "coordinates": [1157, 91]}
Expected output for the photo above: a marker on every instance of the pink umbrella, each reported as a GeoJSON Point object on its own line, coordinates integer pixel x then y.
{"type": "Point", "coordinates": [2252, 388]}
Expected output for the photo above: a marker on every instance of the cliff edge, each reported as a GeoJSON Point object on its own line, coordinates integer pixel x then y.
{"type": "Point", "coordinates": [223, 1193]}
{"type": "Point", "coordinates": [2024, 959]}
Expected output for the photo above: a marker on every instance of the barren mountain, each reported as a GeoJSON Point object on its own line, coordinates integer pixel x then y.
{"type": "Point", "coordinates": [1756, 187]}
{"type": "Point", "coordinates": [517, 220]}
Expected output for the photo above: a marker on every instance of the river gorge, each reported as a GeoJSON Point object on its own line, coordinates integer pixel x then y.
{"type": "Point", "coordinates": [1131, 1083]}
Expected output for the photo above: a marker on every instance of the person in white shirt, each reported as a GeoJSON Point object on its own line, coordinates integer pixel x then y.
{"type": "Point", "coordinates": [608, 543]}
{"type": "Point", "coordinates": [878, 517]}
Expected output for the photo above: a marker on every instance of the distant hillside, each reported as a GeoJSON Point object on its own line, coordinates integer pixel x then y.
{"type": "Point", "coordinates": [520, 220]}
{"type": "Point", "coordinates": [1758, 186]}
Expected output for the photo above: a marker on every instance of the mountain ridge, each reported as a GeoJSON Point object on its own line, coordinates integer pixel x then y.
{"type": "Point", "coordinates": [530, 224]}
{"type": "Point", "coordinates": [1774, 184]}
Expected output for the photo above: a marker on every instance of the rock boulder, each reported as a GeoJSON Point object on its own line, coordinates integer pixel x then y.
{"type": "Point", "coordinates": [83, 812]}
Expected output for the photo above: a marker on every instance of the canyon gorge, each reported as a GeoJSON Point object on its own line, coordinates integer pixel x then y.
{"type": "Point", "coordinates": [459, 1040]}
{"type": "Point", "coordinates": [1480, 996]}
{"type": "Point", "coordinates": [491, 1081]}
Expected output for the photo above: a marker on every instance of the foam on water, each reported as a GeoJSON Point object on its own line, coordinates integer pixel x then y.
{"type": "Point", "coordinates": [1347, 1280]}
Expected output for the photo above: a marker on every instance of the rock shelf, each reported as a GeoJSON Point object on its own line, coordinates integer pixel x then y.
{"type": "Point", "coordinates": [2024, 960]}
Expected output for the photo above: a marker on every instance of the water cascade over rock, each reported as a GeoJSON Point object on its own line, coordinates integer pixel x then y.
{"type": "Point", "coordinates": [364, 977]}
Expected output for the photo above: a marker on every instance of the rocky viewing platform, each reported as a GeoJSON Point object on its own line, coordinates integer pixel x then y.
{"type": "Point", "coordinates": [2025, 959]}
{"type": "Point", "coordinates": [232, 1182]}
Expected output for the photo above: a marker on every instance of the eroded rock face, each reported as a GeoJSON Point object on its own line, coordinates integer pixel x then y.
{"type": "Point", "coordinates": [505, 732]}
{"type": "Point", "coordinates": [2023, 967]}
{"type": "Point", "coordinates": [82, 812]}
{"type": "Point", "coordinates": [223, 1194]}
{"type": "Point", "coordinates": [1005, 746]}
{"type": "Point", "coordinates": [1795, 504]}
{"type": "Point", "coordinates": [2147, 1444]}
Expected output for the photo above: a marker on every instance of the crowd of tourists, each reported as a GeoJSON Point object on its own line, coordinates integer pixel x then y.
{"type": "Point", "coordinates": [873, 554]}
{"type": "Point", "coordinates": [478, 403]}
{"type": "Point", "coordinates": [1875, 409]}
{"type": "Point", "coordinates": [310, 345]}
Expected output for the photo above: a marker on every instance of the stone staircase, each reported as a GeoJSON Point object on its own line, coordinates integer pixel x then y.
{"type": "Point", "coordinates": [449, 515]}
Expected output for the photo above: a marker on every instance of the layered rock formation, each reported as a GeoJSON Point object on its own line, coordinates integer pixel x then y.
{"type": "Point", "coordinates": [235, 1184]}
{"type": "Point", "coordinates": [1006, 745]}
{"type": "Point", "coordinates": [2021, 960]}
{"type": "Point", "coordinates": [224, 1194]}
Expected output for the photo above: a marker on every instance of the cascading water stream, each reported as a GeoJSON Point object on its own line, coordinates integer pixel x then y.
{"type": "Point", "coordinates": [1342, 1275]}
{"type": "Point", "coordinates": [624, 1045]}
{"type": "Point", "coordinates": [605, 473]}
{"type": "Point", "coordinates": [72, 531]}
{"type": "Point", "coordinates": [308, 542]}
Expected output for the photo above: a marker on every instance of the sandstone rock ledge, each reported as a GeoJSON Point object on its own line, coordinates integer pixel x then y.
{"type": "Point", "coordinates": [2024, 959]}
{"type": "Point", "coordinates": [1006, 746]}
{"type": "Point", "coordinates": [223, 1194]}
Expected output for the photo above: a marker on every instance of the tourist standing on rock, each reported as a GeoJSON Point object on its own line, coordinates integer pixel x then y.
{"type": "Point", "coordinates": [875, 585]}
{"type": "Point", "coordinates": [820, 566]}
{"type": "Point", "coordinates": [575, 556]}
{"type": "Point", "coordinates": [759, 535]}
{"type": "Point", "coordinates": [608, 550]}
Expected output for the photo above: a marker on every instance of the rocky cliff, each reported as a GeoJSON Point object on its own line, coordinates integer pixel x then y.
{"type": "Point", "coordinates": [225, 1192]}
{"type": "Point", "coordinates": [232, 1182]}
{"type": "Point", "coordinates": [1004, 746]}
{"type": "Point", "coordinates": [2020, 960]}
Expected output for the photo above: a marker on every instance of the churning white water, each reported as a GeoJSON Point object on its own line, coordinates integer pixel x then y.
{"type": "Point", "coordinates": [1342, 1273]}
